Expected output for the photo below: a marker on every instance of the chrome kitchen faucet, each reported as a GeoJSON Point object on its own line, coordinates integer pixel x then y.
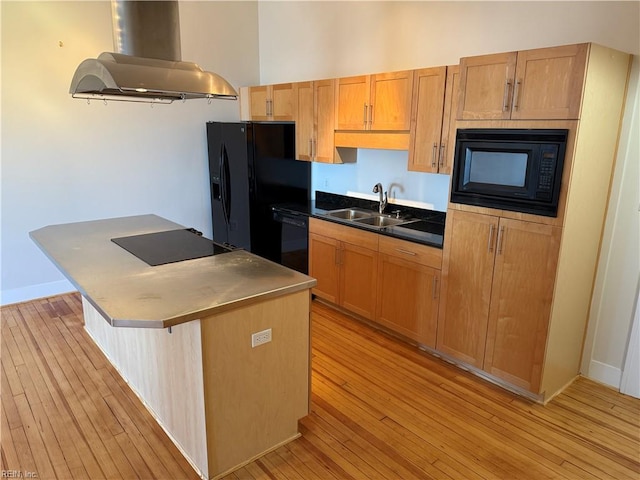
{"type": "Point", "coordinates": [377, 188]}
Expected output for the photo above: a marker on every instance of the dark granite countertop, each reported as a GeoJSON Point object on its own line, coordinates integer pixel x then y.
{"type": "Point", "coordinates": [427, 229]}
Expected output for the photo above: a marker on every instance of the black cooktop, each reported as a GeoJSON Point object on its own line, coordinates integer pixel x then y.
{"type": "Point", "coordinates": [170, 246]}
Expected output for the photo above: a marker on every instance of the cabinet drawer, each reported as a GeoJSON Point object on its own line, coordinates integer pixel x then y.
{"type": "Point", "coordinates": [344, 233]}
{"type": "Point", "coordinates": [422, 254]}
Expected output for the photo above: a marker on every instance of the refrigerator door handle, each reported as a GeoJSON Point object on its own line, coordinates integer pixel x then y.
{"type": "Point", "coordinates": [223, 185]}
{"type": "Point", "coordinates": [226, 181]}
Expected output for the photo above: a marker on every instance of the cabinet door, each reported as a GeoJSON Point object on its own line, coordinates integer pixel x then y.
{"type": "Point", "coordinates": [448, 140]}
{"type": "Point", "coordinates": [390, 101]}
{"type": "Point", "coordinates": [304, 120]}
{"type": "Point", "coordinates": [324, 146]}
{"type": "Point", "coordinates": [324, 267]}
{"type": "Point", "coordinates": [282, 102]}
{"type": "Point", "coordinates": [408, 298]}
{"type": "Point", "coordinates": [549, 83]}
{"type": "Point", "coordinates": [426, 126]}
{"type": "Point", "coordinates": [259, 97]}
{"type": "Point", "coordinates": [353, 102]}
{"type": "Point", "coordinates": [467, 272]}
{"type": "Point", "coordinates": [523, 281]}
{"type": "Point", "coordinates": [358, 279]}
{"type": "Point", "coordinates": [486, 86]}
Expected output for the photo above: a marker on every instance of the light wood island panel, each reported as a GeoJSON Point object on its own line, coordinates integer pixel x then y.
{"type": "Point", "coordinates": [221, 401]}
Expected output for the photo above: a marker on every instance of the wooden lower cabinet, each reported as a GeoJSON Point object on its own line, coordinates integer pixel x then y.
{"type": "Point", "coordinates": [393, 282]}
{"type": "Point", "coordinates": [344, 261]}
{"type": "Point", "coordinates": [358, 277]}
{"type": "Point", "coordinates": [408, 298]}
{"type": "Point", "coordinates": [467, 270]}
{"type": "Point", "coordinates": [498, 280]}
{"type": "Point", "coordinates": [323, 266]}
{"type": "Point", "coordinates": [521, 296]}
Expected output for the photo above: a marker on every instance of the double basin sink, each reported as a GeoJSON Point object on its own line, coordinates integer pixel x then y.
{"type": "Point", "coordinates": [367, 218]}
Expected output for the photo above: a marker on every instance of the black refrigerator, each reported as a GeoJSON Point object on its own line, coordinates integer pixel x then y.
{"type": "Point", "coordinates": [252, 169]}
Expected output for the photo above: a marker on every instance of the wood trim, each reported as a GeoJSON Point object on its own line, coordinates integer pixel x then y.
{"type": "Point", "coordinates": [377, 140]}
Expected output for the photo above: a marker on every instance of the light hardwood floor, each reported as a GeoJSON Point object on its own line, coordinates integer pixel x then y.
{"type": "Point", "coordinates": [381, 409]}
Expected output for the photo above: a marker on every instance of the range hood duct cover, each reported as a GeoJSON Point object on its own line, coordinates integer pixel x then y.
{"type": "Point", "coordinates": [147, 65]}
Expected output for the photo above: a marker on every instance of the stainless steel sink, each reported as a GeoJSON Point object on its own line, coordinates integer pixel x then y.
{"type": "Point", "coordinates": [350, 214]}
{"type": "Point", "coordinates": [366, 218]}
{"type": "Point", "coordinates": [381, 221]}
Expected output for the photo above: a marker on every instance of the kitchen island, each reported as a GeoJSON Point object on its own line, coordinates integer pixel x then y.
{"type": "Point", "coordinates": [182, 335]}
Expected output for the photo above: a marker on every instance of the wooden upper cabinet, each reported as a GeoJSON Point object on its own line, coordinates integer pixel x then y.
{"type": "Point", "coordinates": [324, 105]}
{"type": "Point", "coordinates": [304, 120]}
{"type": "Point", "coordinates": [315, 120]}
{"type": "Point", "coordinates": [433, 119]}
{"type": "Point", "coordinates": [543, 84]}
{"type": "Point", "coordinates": [375, 102]}
{"type": "Point", "coordinates": [390, 101]}
{"type": "Point", "coordinates": [549, 83]}
{"type": "Point", "coordinates": [448, 139]}
{"type": "Point", "coordinates": [272, 102]}
{"type": "Point", "coordinates": [522, 291]}
{"type": "Point", "coordinates": [486, 84]}
{"type": "Point", "coordinates": [426, 115]}
{"type": "Point", "coordinates": [352, 103]}
{"type": "Point", "coordinates": [259, 102]}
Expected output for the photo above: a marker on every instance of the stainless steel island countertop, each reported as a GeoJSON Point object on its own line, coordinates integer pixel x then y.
{"type": "Point", "coordinates": [130, 293]}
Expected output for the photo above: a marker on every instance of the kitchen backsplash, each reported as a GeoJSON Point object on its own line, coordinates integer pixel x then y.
{"type": "Point", "coordinates": [388, 167]}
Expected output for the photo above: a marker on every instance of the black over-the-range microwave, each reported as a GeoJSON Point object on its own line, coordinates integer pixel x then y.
{"type": "Point", "coordinates": [510, 169]}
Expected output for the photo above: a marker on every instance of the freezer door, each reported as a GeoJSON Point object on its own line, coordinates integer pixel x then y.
{"type": "Point", "coordinates": [235, 183]}
{"type": "Point", "coordinates": [216, 182]}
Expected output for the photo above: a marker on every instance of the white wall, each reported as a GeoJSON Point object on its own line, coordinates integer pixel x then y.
{"type": "Point", "coordinates": [388, 167]}
{"type": "Point", "coordinates": [348, 38]}
{"type": "Point", "coordinates": [65, 161]}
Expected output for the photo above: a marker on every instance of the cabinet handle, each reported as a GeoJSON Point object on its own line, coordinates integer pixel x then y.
{"type": "Point", "coordinates": [314, 148]}
{"type": "Point", "coordinates": [505, 99]}
{"type": "Point", "coordinates": [434, 152]}
{"type": "Point", "coordinates": [442, 146]}
{"type": "Point", "coordinates": [364, 117]}
{"type": "Point", "coordinates": [516, 94]}
{"type": "Point", "coordinates": [490, 244]}
{"type": "Point", "coordinates": [406, 252]}
{"type": "Point", "coordinates": [500, 238]}
{"type": "Point", "coordinates": [370, 115]}
{"type": "Point", "coordinates": [311, 149]}
{"type": "Point", "coordinates": [435, 287]}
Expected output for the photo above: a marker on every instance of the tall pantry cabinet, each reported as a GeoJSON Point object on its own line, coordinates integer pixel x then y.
{"type": "Point", "coordinates": [516, 288]}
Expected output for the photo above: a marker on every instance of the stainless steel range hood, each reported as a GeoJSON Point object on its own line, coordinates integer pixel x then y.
{"type": "Point", "coordinates": [147, 66]}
